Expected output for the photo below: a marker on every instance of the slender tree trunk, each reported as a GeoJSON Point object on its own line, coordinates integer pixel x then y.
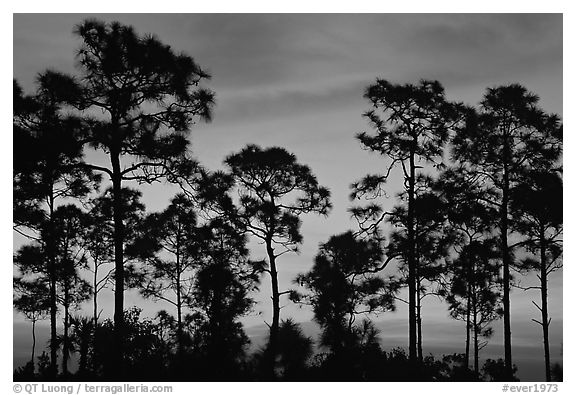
{"type": "Point", "coordinates": [214, 318]}
{"type": "Point", "coordinates": [33, 341]}
{"type": "Point", "coordinates": [506, 271]}
{"type": "Point", "coordinates": [95, 319]}
{"type": "Point", "coordinates": [179, 336]}
{"type": "Point", "coordinates": [65, 342]}
{"type": "Point", "coordinates": [219, 317]}
{"type": "Point", "coordinates": [179, 308]}
{"type": "Point", "coordinates": [118, 266]}
{"type": "Point", "coordinates": [412, 335]}
{"type": "Point", "coordinates": [53, 281]}
{"type": "Point", "coordinates": [218, 352]}
{"type": "Point", "coordinates": [544, 306]}
{"type": "Point", "coordinates": [469, 280]}
{"type": "Point", "coordinates": [179, 321]}
{"type": "Point", "coordinates": [274, 328]}
{"type": "Point", "coordinates": [95, 295]}
{"type": "Point", "coordinates": [53, 333]}
{"type": "Point", "coordinates": [467, 355]}
{"type": "Point", "coordinates": [476, 357]}
{"type": "Point", "coordinates": [419, 321]}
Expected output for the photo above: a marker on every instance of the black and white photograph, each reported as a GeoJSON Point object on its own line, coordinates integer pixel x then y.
{"type": "Point", "coordinates": [288, 197]}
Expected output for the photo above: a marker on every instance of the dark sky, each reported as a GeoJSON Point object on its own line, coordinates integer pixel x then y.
{"type": "Point", "coordinates": [296, 80]}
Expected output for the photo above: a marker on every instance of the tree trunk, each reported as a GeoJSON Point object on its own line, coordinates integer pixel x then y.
{"type": "Point", "coordinates": [180, 348]}
{"type": "Point", "coordinates": [95, 306]}
{"type": "Point", "coordinates": [506, 274]}
{"type": "Point", "coordinates": [65, 342]}
{"type": "Point", "coordinates": [218, 352]}
{"type": "Point", "coordinates": [53, 333]}
{"type": "Point", "coordinates": [467, 355]}
{"type": "Point", "coordinates": [544, 307]}
{"type": "Point", "coordinates": [33, 341]}
{"type": "Point", "coordinates": [118, 266]}
{"type": "Point", "coordinates": [95, 294]}
{"type": "Point", "coordinates": [476, 357]}
{"type": "Point", "coordinates": [214, 320]}
{"type": "Point", "coordinates": [274, 328]}
{"type": "Point", "coordinates": [419, 321]}
{"type": "Point", "coordinates": [412, 334]}
{"type": "Point", "coordinates": [53, 280]}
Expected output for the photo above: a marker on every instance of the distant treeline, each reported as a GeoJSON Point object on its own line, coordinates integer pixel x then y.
{"type": "Point", "coordinates": [480, 206]}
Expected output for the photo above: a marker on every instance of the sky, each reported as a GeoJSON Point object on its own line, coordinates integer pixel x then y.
{"type": "Point", "coordinates": [297, 80]}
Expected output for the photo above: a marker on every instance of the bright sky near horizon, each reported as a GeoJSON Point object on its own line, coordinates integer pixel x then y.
{"type": "Point", "coordinates": [296, 81]}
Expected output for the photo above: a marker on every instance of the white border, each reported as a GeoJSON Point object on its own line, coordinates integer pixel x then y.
{"type": "Point", "coordinates": [299, 6]}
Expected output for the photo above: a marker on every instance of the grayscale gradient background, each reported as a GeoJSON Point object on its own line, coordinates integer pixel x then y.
{"type": "Point", "coordinates": [296, 81]}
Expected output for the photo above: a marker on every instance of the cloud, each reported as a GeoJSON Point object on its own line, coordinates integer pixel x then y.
{"type": "Point", "coordinates": [286, 100]}
{"type": "Point", "coordinates": [275, 51]}
{"type": "Point", "coordinates": [483, 33]}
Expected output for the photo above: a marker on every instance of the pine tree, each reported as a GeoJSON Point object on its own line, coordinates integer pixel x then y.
{"type": "Point", "coordinates": [47, 158]}
{"type": "Point", "coordinates": [274, 191]}
{"type": "Point", "coordinates": [412, 123]}
{"type": "Point", "coordinates": [149, 96]}
{"type": "Point", "coordinates": [508, 136]}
